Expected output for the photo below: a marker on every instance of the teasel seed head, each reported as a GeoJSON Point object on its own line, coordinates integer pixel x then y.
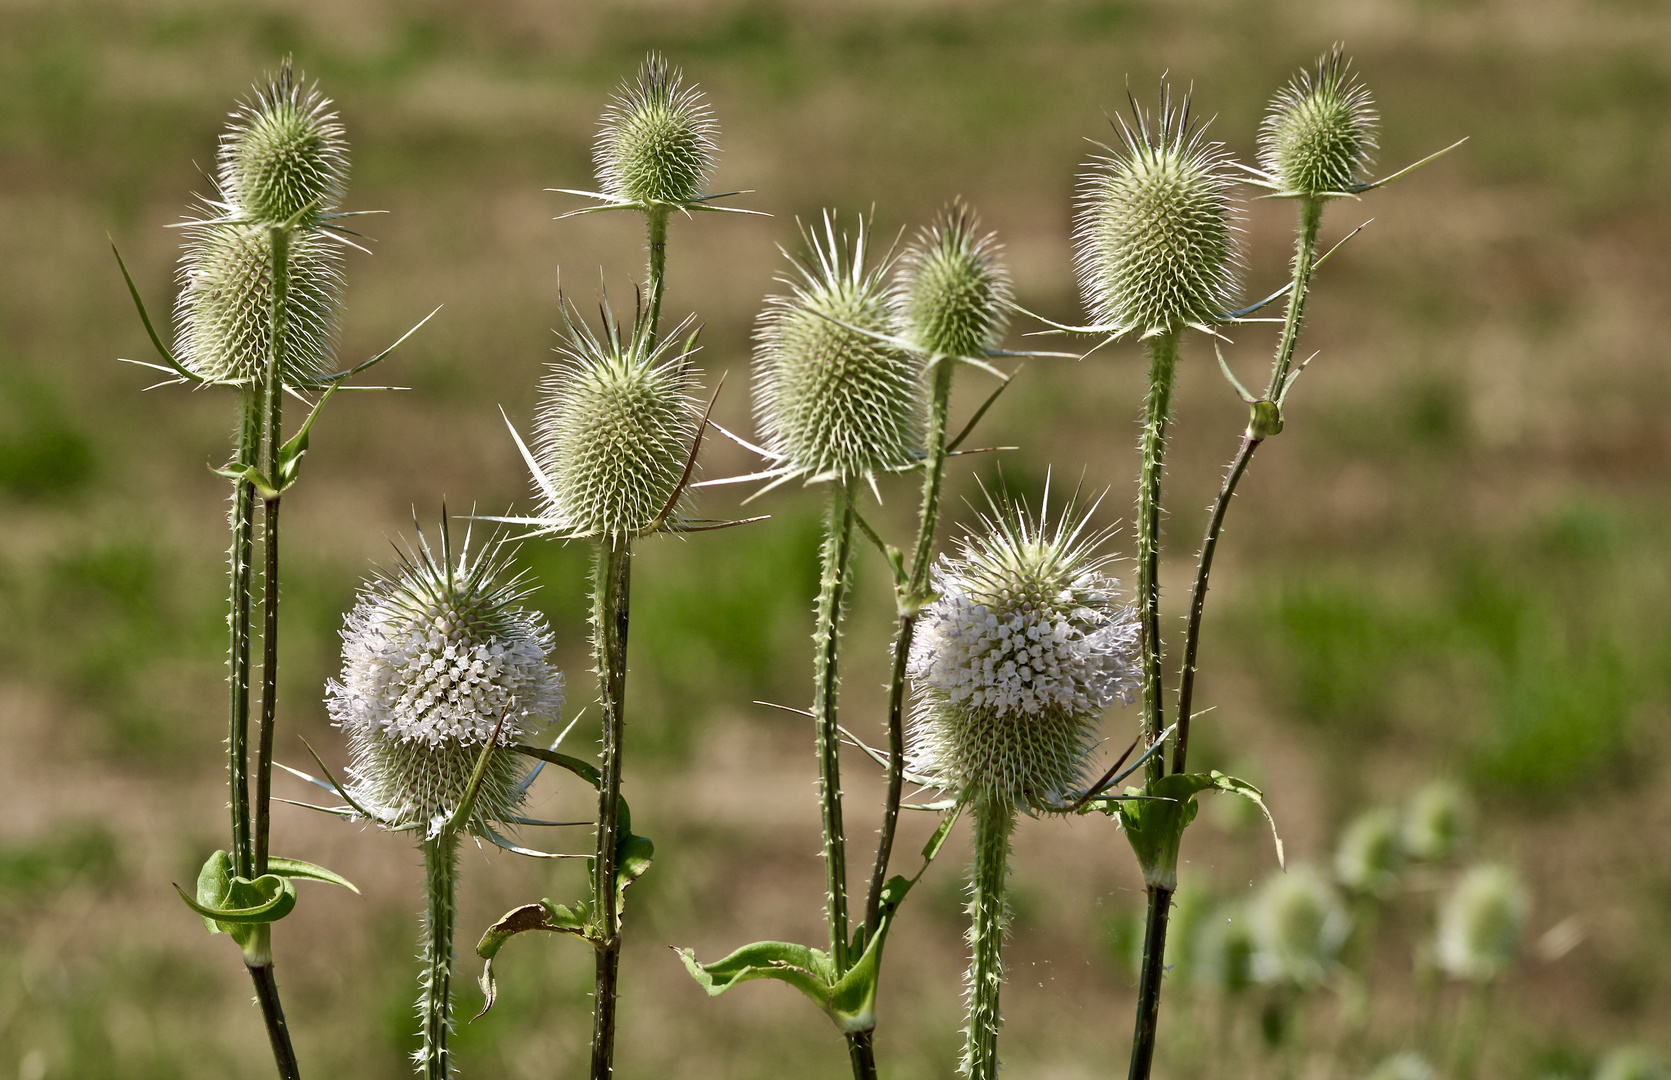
{"type": "Point", "coordinates": [1299, 925]}
{"type": "Point", "coordinates": [1403, 1065]}
{"type": "Point", "coordinates": [614, 428]}
{"type": "Point", "coordinates": [1155, 235]}
{"type": "Point", "coordinates": [1632, 1063]}
{"type": "Point", "coordinates": [1367, 860]}
{"type": "Point", "coordinates": [435, 656]}
{"type": "Point", "coordinates": [1319, 135]}
{"type": "Point", "coordinates": [1480, 923]}
{"type": "Point", "coordinates": [1224, 951]}
{"type": "Point", "coordinates": [283, 152]}
{"type": "Point", "coordinates": [656, 141]}
{"type": "Point", "coordinates": [1437, 822]}
{"type": "Point", "coordinates": [223, 313]}
{"type": "Point", "coordinates": [1016, 659]}
{"type": "Point", "coordinates": [952, 291]}
{"type": "Point", "coordinates": [831, 401]}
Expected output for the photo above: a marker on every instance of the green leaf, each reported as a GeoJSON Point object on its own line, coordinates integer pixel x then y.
{"type": "Point", "coordinates": [296, 868]}
{"type": "Point", "coordinates": [632, 859]}
{"type": "Point", "coordinates": [1154, 824]}
{"type": "Point", "coordinates": [1232, 786]}
{"type": "Point", "coordinates": [544, 915]}
{"type": "Point", "coordinates": [807, 970]}
{"type": "Point", "coordinates": [214, 881]}
{"type": "Point", "coordinates": [582, 769]}
{"type": "Point", "coordinates": [290, 454]}
{"type": "Point", "coordinates": [267, 899]}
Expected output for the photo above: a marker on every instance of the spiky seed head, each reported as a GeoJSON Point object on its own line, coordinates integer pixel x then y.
{"type": "Point", "coordinates": [1438, 821]}
{"type": "Point", "coordinates": [1319, 135]}
{"type": "Point", "coordinates": [1299, 925]}
{"type": "Point", "coordinates": [1632, 1063]}
{"type": "Point", "coordinates": [223, 313]}
{"type": "Point", "coordinates": [614, 429]}
{"type": "Point", "coordinates": [283, 151]}
{"type": "Point", "coordinates": [953, 291]}
{"type": "Point", "coordinates": [1224, 951]}
{"type": "Point", "coordinates": [433, 655]}
{"type": "Point", "coordinates": [1155, 234]}
{"type": "Point", "coordinates": [1480, 923]}
{"type": "Point", "coordinates": [1403, 1065]}
{"type": "Point", "coordinates": [656, 141]}
{"type": "Point", "coordinates": [1367, 860]}
{"type": "Point", "coordinates": [1015, 661]}
{"type": "Point", "coordinates": [833, 402]}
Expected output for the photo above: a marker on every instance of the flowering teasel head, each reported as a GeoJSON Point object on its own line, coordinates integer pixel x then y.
{"type": "Point", "coordinates": [615, 429]}
{"type": "Point", "coordinates": [833, 400]}
{"type": "Point", "coordinates": [952, 292]}
{"type": "Point", "coordinates": [1319, 135]}
{"type": "Point", "coordinates": [437, 660]}
{"type": "Point", "coordinates": [1480, 923]}
{"type": "Point", "coordinates": [1016, 659]}
{"type": "Point", "coordinates": [284, 154]}
{"type": "Point", "coordinates": [655, 144]}
{"type": "Point", "coordinates": [1155, 235]}
{"type": "Point", "coordinates": [1299, 926]}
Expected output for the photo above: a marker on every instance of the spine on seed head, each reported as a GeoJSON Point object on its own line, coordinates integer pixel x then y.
{"type": "Point", "coordinates": [655, 144]}
{"type": "Point", "coordinates": [1319, 135]}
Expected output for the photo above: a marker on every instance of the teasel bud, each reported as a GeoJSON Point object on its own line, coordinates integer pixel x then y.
{"type": "Point", "coordinates": [435, 657]}
{"type": "Point", "coordinates": [1319, 135]}
{"type": "Point", "coordinates": [283, 154]}
{"type": "Point", "coordinates": [223, 312]}
{"type": "Point", "coordinates": [1155, 234]}
{"type": "Point", "coordinates": [1367, 860]}
{"type": "Point", "coordinates": [832, 401]}
{"type": "Point", "coordinates": [1015, 661]}
{"type": "Point", "coordinates": [1437, 822]}
{"type": "Point", "coordinates": [1480, 923]}
{"type": "Point", "coordinates": [614, 429]}
{"type": "Point", "coordinates": [1298, 927]}
{"type": "Point", "coordinates": [656, 141]}
{"type": "Point", "coordinates": [1404, 1065]}
{"type": "Point", "coordinates": [952, 292]}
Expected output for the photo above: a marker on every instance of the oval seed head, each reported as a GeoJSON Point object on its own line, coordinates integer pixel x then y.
{"type": "Point", "coordinates": [283, 153]}
{"type": "Point", "coordinates": [1155, 240]}
{"type": "Point", "coordinates": [223, 313]}
{"type": "Point", "coordinates": [1298, 926]}
{"type": "Point", "coordinates": [1438, 821]}
{"type": "Point", "coordinates": [1632, 1063]}
{"type": "Point", "coordinates": [952, 293]}
{"type": "Point", "coordinates": [1369, 854]}
{"type": "Point", "coordinates": [1014, 662]}
{"type": "Point", "coordinates": [832, 402]}
{"type": "Point", "coordinates": [1480, 923]}
{"type": "Point", "coordinates": [656, 141]}
{"type": "Point", "coordinates": [1404, 1065]}
{"type": "Point", "coordinates": [432, 657]}
{"type": "Point", "coordinates": [1319, 135]}
{"type": "Point", "coordinates": [614, 429]}
{"type": "Point", "coordinates": [1224, 951]}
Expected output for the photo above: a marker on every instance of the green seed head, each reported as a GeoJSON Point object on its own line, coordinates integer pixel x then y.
{"type": "Point", "coordinates": [614, 429]}
{"type": "Point", "coordinates": [223, 314]}
{"type": "Point", "coordinates": [1224, 951]}
{"type": "Point", "coordinates": [952, 292]}
{"type": "Point", "coordinates": [1368, 858]}
{"type": "Point", "coordinates": [283, 153]}
{"type": "Point", "coordinates": [1319, 135]}
{"type": "Point", "coordinates": [1299, 926]}
{"type": "Point", "coordinates": [1155, 237]}
{"type": "Point", "coordinates": [1016, 659]}
{"type": "Point", "coordinates": [1437, 822]}
{"type": "Point", "coordinates": [656, 142]}
{"type": "Point", "coordinates": [1480, 923]}
{"type": "Point", "coordinates": [434, 656]}
{"type": "Point", "coordinates": [832, 402]}
{"type": "Point", "coordinates": [1632, 1063]}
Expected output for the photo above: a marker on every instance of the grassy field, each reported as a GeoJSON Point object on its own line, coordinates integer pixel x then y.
{"type": "Point", "coordinates": [1453, 562]}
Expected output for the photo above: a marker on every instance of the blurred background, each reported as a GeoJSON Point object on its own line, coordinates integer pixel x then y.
{"type": "Point", "coordinates": [1452, 565]}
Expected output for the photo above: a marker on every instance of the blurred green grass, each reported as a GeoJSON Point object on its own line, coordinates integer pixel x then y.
{"type": "Point", "coordinates": [1453, 561]}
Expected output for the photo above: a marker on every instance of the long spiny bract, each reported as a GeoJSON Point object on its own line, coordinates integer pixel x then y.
{"type": "Point", "coordinates": [655, 144]}
{"type": "Point", "coordinates": [1319, 135]}
{"type": "Point", "coordinates": [953, 292]}
{"type": "Point", "coordinates": [614, 429]}
{"type": "Point", "coordinates": [283, 154]}
{"type": "Point", "coordinates": [835, 403]}
{"type": "Point", "coordinates": [1155, 234]}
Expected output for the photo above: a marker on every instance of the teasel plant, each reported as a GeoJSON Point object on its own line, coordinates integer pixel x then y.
{"type": "Point", "coordinates": [260, 295]}
{"type": "Point", "coordinates": [1158, 254]}
{"type": "Point", "coordinates": [618, 431]}
{"type": "Point", "coordinates": [443, 674]}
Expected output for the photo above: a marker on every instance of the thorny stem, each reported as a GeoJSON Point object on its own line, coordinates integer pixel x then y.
{"type": "Point", "coordinates": [861, 1052]}
{"type": "Point", "coordinates": [1157, 410]}
{"type": "Point", "coordinates": [610, 606]}
{"type": "Point", "coordinates": [1148, 984]}
{"type": "Point", "coordinates": [988, 921]}
{"type": "Point", "coordinates": [241, 556]}
{"type": "Point", "coordinates": [435, 1005]}
{"type": "Point", "coordinates": [656, 224]}
{"type": "Point", "coordinates": [832, 593]}
{"type": "Point", "coordinates": [266, 993]}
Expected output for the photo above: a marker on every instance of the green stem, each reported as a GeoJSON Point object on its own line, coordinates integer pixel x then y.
{"type": "Point", "coordinates": [611, 594]}
{"type": "Point", "coordinates": [1157, 411]}
{"type": "Point", "coordinates": [435, 1003]}
{"type": "Point", "coordinates": [272, 435]}
{"type": "Point", "coordinates": [240, 558]}
{"type": "Point", "coordinates": [1148, 982]}
{"type": "Point", "coordinates": [988, 921]}
{"type": "Point", "coordinates": [1471, 1031]}
{"type": "Point", "coordinates": [826, 636]}
{"type": "Point", "coordinates": [266, 994]}
{"type": "Point", "coordinates": [656, 225]}
{"type": "Point", "coordinates": [1305, 257]}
